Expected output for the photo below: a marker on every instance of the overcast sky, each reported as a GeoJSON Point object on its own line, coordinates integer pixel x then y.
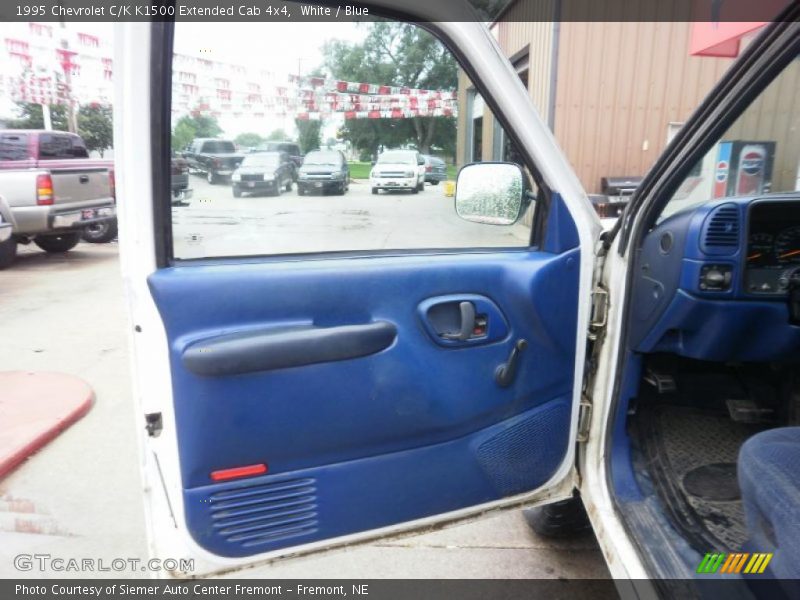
{"type": "Point", "coordinates": [274, 46]}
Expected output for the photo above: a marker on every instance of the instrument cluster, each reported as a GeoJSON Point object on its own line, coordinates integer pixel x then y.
{"type": "Point", "coordinates": [772, 261]}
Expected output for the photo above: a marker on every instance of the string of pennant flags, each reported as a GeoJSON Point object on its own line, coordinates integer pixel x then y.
{"type": "Point", "coordinates": [318, 106]}
{"type": "Point", "coordinates": [315, 98]}
{"type": "Point", "coordinates": [52, 90]}
{"type": "Point", "coordinates": [397, 113]}
{"type": "Point", "coordinates": [366, 88]}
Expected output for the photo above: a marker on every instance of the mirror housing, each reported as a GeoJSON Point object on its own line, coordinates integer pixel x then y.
{"type": "Point", "coordinates": [490, 192]}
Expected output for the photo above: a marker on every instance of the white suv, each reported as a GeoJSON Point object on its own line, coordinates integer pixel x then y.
{"type": "Point", "coordinates": [398, 170]}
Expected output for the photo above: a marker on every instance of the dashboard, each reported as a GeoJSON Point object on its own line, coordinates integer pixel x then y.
{"type": "Point", "coordinates": [772, 260]}
{"type": "Point", "coordinates": [721, 281]}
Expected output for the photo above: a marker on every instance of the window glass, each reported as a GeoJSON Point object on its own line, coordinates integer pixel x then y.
{"type": "Point", "coordinates": [266, 159]}
{"type": "Point", "coordinates": [13, 147]}
{"type": "Point", "coordinates": [78, 149]}
{"type": "Point", "coordinates": [354, 112]}
{"type": "Point", "coordinates": [323, 159]}
{"type": "Point", "coordinates": [758, 154]}
{"type": "Point", "coordinates": [220, 147]}
{"type": "Point", "coordinates": [55, 146]}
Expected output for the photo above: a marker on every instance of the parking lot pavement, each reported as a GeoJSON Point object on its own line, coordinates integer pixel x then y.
{"type": "Point", "coordinates": [217, 224]}
{"type": "Point", "coordinates": [79, 497]}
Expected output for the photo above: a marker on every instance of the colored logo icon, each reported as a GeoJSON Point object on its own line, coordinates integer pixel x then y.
{"type": "Point", "coordinates": [737, 562]}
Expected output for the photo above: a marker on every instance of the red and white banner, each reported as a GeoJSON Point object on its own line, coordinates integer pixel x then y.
{"type": "Point", "coordinates": [220, 97]}
{"type": "Point", "coordinates": [357, 87]}
{"type": "Point", "coordinates": [396, 113]}
{"type": "Point", "coordinates": [311, 106]}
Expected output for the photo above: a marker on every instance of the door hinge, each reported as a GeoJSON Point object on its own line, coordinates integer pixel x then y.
{"type": "Point", "coordinates": [584, 419]}
{"type": "Point", "coordinates": [153, 424]}
{"type": "Point", "coordinates": [599, 316]}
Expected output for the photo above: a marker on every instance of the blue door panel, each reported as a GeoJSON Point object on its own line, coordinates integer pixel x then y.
{"type": "Point", "coordinates": [413, 430]}
{"type": "Point", "coordinates": [271, 512]}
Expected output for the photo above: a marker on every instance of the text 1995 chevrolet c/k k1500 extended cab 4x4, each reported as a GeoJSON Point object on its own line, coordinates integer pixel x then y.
{"type": "Point", "coordinates": [54, 191]}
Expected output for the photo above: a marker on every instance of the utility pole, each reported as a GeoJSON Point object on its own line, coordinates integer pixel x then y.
{"type": "Point", "coordinates": [48, 122]}
{"type": "Point", "coordinates": [66, 63]}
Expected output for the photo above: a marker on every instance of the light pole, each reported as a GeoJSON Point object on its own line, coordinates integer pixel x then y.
{"type": "Point", "coordinates": [66, 64]}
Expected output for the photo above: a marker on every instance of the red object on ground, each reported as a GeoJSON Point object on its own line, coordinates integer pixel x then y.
{"type": "Point", "coordinates": [34, 408]}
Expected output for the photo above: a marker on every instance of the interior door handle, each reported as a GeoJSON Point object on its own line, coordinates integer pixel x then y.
{"type": "Point", "coordinates": [462, 320]}
{"type": "Point", "coordinates": [467, 310]}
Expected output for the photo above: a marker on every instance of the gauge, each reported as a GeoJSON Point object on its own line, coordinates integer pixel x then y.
{"type": "Point", "coordinates": [787, 245]}
{"type": "Point", "coordinates": [759, 248]}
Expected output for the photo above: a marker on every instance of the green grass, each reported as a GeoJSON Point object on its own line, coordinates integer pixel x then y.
{"type": "Point", "coordinates": [360, 170]}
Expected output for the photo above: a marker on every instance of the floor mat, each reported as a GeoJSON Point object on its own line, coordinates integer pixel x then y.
{"type": "Point", "coordinates": [691, 455]}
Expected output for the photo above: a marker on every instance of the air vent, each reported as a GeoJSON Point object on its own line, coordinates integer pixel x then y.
{"type": "Point", "coordinates": [721, 230]}
{"type": "Point", "coordinates": [266, 513]}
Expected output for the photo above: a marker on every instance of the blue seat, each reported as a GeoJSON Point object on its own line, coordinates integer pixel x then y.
{"type": "Point", "coordinates": [769, 478]}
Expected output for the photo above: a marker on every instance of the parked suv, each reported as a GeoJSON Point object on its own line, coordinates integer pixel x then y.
{"type": "Point", "coordinates": [435, 169]}
{"type": "Point", "coordinates": [263, 172]}
{"type": "Point", "coordinates": [292, 149]}
{"type": "Point", "coordinates": [398, 170]}
{"type": "Point", "coordinates": [323, 170]}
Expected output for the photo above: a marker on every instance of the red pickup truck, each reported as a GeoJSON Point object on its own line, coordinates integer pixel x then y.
{"type": "Point", "coordinates": [54, 191]}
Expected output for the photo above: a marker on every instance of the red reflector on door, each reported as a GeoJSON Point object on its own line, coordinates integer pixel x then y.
{"type": "Point", "coordinates": [237, 472]}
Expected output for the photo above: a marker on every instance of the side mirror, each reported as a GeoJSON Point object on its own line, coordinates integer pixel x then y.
{"type": "Point", "coordinates": [420, 161]}
{"type": "Point", "coordinates": [490, 193]}
{"type": "Point", "coordinates": [374, 162]}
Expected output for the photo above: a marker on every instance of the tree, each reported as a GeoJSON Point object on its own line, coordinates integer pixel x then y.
{"type": "Point", "coordinates": [183, 134]}
{"type": "Point", "coordinates": [95, 126]}
{"type": "Point", "coordinates": [248, 140]}
{"type": "Point", "coordinates": [189, 127]}
{"type": "Point", "coordinates": [31, 117]}
{"type": "Point", "coordinates": [399, 54]}
{"type": "Point", "coordinates": [308, 134]}
{"type": "Point", "coordinates": [277, 135]}
{"type": "Point", "coordinates": [205, 126]}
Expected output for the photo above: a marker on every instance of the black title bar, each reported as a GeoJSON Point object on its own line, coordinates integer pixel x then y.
{"type": "Point", "coordinates": [448, 10]}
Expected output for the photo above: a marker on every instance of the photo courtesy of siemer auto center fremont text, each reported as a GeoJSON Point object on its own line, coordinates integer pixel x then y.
{"type": "Point", "coordinates": [400, 299]}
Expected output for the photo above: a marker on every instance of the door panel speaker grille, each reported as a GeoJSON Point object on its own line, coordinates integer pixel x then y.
{"type": "Point", "coordinates": [265, 513]}
{"type": "Point", "coordinates": [525, 454]}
